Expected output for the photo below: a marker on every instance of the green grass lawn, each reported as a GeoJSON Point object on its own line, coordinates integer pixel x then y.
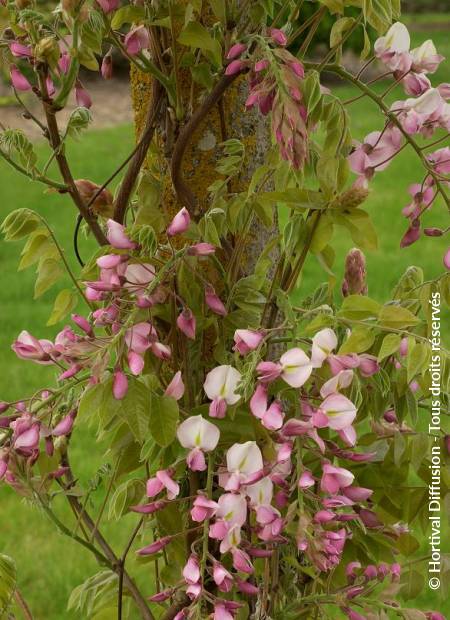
{"type": "Point", "coordinates": [49, 564]}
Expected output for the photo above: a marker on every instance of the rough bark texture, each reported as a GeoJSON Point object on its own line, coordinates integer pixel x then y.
{"type": "Point", "coordinates": [228, 119]}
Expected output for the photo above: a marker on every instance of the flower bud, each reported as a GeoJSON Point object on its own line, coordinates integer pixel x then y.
{"type": "Point", "coordinates": [107, 66]}
{"type": "Point", "coordinates": [47, 50]}
{"type": "Point", "coordinates": [175, 389]}
{"type": "Point", "coordinates": [82, 323]}
{"type": "Point", "coordinates": [82, 96]}
{"type": "Point", "coordinates": [278, 37]}
{"type": "Point", "coordinates": [156, 546]}
{"type": "Point", "coordinates": [354, 282]}
{"type": "Point", "coordinates": [180, 223]}
{"type": "Point", "coordinates": [433, 232]}
{"type": "Point", "coordinates": [214, 302]}
{"type": "Point", "coordinates": [235, 66]}
{"type": "Point", "coordinates": [411, 235]}
{"type": "Point", "coordinates": [120, 385]}
{"type": "Point", "coordinates": [236, 50]}
{"type": "Point", "coordinates": [201, 249]}
{"type": "Point", "coordinates": [18, 80]}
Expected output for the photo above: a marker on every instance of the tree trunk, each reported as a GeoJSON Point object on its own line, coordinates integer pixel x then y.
{"type": "Point", "coordinates": [228, 118]}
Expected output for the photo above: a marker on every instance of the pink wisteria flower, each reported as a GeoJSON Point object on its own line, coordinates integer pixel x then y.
{"type": "Point", "coordinates": [376, 152]}
{"type": "Point", "coordinates": [339, 410]}
{"type": "Point", "coordinates": [335, 479]}
{"type": "Point", "coordinates": [117, 237]}
{"type": "Point", "coordinates": [244, 460]}
{"type": "Point", "coordinates": [18, 80]}
{"type": "Point", "coordinates": [323, 343]}
{"type": "Point", "coordinates": [220, 387]}
{"type": "Point", "coordinates": [425, 58]}
{"type": "Point", "coordinates": [393, 48]}
{"type": "Point", "coordinates": [175, 389]}
{"type": "Point", "coordinates": [199, 436]}
{"type": "Point", "coordinates": [163, 480]}
{"type": "Point", "coordinates": [272, 415]}
{"type": "Point", "coordinates": [186, 323]}
{"type": "Point", "coordinates": [136, 40]}
{"type": "Point", "coordinates": [296, 367]}
{"type": "Point", "coordinates": [247, 340]}
{"type": "Point", "coordinates": [28, 347]}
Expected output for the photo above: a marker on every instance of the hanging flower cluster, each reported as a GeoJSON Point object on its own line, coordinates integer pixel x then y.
{"type": "Point", "coordinates": [275, 78]}
{"type": "Point", "coordinates": [424, 112]}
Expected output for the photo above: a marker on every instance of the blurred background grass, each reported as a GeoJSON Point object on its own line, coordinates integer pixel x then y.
{"type": "Point", "coordinates": [50, 565]}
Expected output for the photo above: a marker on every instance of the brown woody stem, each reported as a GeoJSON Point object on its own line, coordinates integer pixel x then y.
{"type": "Point", "coordinates": [56, 143]}
{"type": "Point", "coordinates": [140, 153]}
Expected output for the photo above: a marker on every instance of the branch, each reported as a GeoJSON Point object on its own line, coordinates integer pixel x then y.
{"type": "Point", "coordinates": [122, 566]}
{"type": "Point", "coordinates": [34, 176]}
{"type": "Point", "coordinates": [56, 144]}
{"type": "Point", "coordinates": [139, 155]}
{"type": "Point", "coordinates": [182, 190]}
{"type": "Point", "coordinates": [114, 561]}
{"type": "Point", "coordinates": [21, 602]}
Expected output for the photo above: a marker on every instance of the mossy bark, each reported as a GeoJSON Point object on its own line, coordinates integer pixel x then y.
{"type": "Point", "coordinates": [228, 119]}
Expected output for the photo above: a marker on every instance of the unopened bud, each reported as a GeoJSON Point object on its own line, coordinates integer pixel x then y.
{"type": "Point", "coordinates": [433, 232]}
{"type": "Point", "coordinates": [352, 198]}
{"type": "Point", "coordinates": [354, 282]}
{"type": "Point", "coordinates": [47, 50]}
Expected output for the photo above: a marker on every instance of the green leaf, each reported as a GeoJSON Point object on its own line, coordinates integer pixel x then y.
{"type": "Point", "coordinates": [87, 58]}
{"type": "Point", "coordinates": [397, 317]}
{"type": "Point", "coordinates": [360, 340]}
{"type": "Point", "coordinates": [201, 74]}
{"type": "Point", "coordinates": [38, 245]}
{"type": "Point", "coordinates": [360, 226]}
{"type": "Point", "coordinates": [367, 46]}
{"type": "Point", "coordinates": [295, 198]}
{"type": "Point", "coordinates": [323, 234]}
{"type": "Point", "coordinates": [92, 595]}
{"type": "Point", "coordinates": [127, 494]}
{"type": "Point", "coordinates": [20, 223]}
{"type": "Point", "coordinates": [389, 346]}
{"type": "Point", "coordinates": [196, 35]}
{"type": "Point", "coordinates": [65, 302]}
{"type": "Point", "coordinates": [407, 544]}
{"type": "Point", "coordinates": [92, 400]}
{"type": "Point", "coordinates": [93, 31]}
{"type": "Point", "coordinates": [378, 13]}
{"type": "Point", "coordinates": [311, 91]}
{"type": "Point", "coordinates": [334, 6]}
{"type": "Point", "coordinates": [170, 521]}
{"type": "Point", "coordinates": [327, 172]}
{"type": "Point", "coordinates": [127, 14]}
{"type": "Point", "coordinates": [339, 28]}
{"type": "Point", "coordinates": [417, 360]}
{"type": "Point", "coordinates": [412, 584]}
{"type": "Point", "coordinates": [164, 416]}
{"type": "Point", "coordinates": [8, 580]}
{"type": "Point", "coordinates": [78, 121]}
{"type": "Point", "coordinates": [15, 141]}
{"type": "Point", "coordinates": [134, 408]}
{"type": "Point", "coordinates": [359, 307]}
{"type": "Point", "coordinates": [219, 9]}
{"type": "Point", "coordinates": [48, 272]}
{"type": "Point", "coordinates": [149, 199]}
